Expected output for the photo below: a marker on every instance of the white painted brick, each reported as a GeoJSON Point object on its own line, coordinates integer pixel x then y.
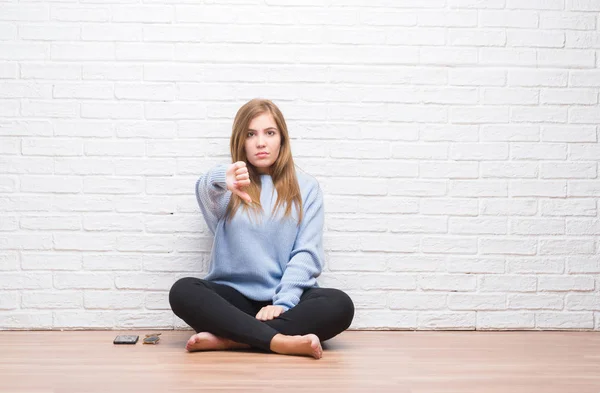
{"type": "Point", "coordinates": [444, 321]}
{"type": "Point", "coordinates": [510, 96]}
{"type": "Point", "coordinates": [56, 299]}
{"type": "Point", "coordinates": [145, 243]}
{"type": "Point", "coordinates": [479, 115]}
{"type": "Point", "coordinates": [508, 56]}
{"type": "Point", "coordinates": [466, 302]}
{"type": "Point", "coordinates": [169, 185]}
{"type": "Point", "coordinates": [566, 246]}
{"type": "Point", "coordinates": [76, 13]}
{"type": "Point", "coordinates": [371, 281]}
{"type": "Point", "coordinates": [26, 13]}
{"type": "Point", "coordinates": [416, 301]}
{"type": "Point", "coordinates": [9, 260]}
{"type": "Point", "coordinates": [380, 205]}
{"type": "Point", "coordinates": [9, 70]}
{"type": "Point", "coordinates": [509, 170]}
{"type": "Point", "coordinates": [451, 56]}
{"type": "Point", "coordinates": [34, 108]}
{"type": "Point", "coordinates": [582, 5]}
{"type": "Point", "coordinates": [118, 148]}
{"type": "Point", "coordinates": [78, 128]}
{"type": "Point", "coordinates": [479, 151]}
{"type": "Point", "coordinates": [539, 114]}
{"type": "Point", "coordinates": [387, 75]}
{"type": "Point", "coordinates": [576, 302]}
{"type": "Point", "coordinates": [449, 245]}
{"type": "Point", "coordinates": [25, 281]}
{"type": "Point", "coordinates": [346, 186]}
{"type": "Point", "coordinates": [84, 242]}
{"type": "Point", "coordinates": [112, 262]}
{"type": "Point", "coordinates": [535, 38]}
{"type": "Point", "coordinates": [147, 129]}
{"type": "Point", "coordinates": [470, 226]}
{"type": "Point", "coordinates": [536, 265]}
{"type": "Point", "coordinates": [584, 188]}
{"type": "Point", "coordinates": [84, 320]}
{"type": "Point", "coordinates": [536, 4]}
{"type": "Point", "coordinates": [25, 203]}
{"type": "Point", "coordinates": [476, 37]}
{"type": "Point", "coordinates": [9, 300]}
{"type": "Point", "coordinates": [50, 71]}
{"type": "Point", "coordinates": [78, 203]}
{"type": "Point", "coordinates": [478, 4]}
{"type": "Point", "coordinates": [538, 151]}
{"type": "Point", "coordinates": [586, 78]}
{"type": "Point", "coordinates": [339, 168]}
{"type": "Point", "coordinates": [71, 280]}
{"type": "Point", "coordinates": [111, 32]}
{"type": "Point", "coordinates": [146, 92]}
{"type": "Point", "coordinates": [143, 14]}
{"type": "Point", "coordinates": [412, 224]}
{"type": "Point", "coordinates": [26, 320]}
{"type": "Point", "coordinates": [451, 18]}
{"type": "Point", "coordinates": [360, 150]}
{"type": "Point", "coordinates": [82, 51]}
{"type": "Point", "coordinates": [111, 71]}
{"type": "Point", "coordinates": [410, 113]}
{"type": "Point", "coordinates": [9, 108]}
{"type": "Point", "coordinates": [531, 226]}
{"type": "Point", "coordinates": [567, 20]}
{"type": "Point", "coordinates": [27, 128]}
{"type": "Point", "coordinates": [569, 96]}
{"type": "Point", "coordinates": [47, 32]}
{"type": "Point", "coordinates": [515, 19]}
{"type": "Point", "coordinates": [51, 222]}
{"type": "Point", "coordinates": [535, 302]}
{"type": "Point", "coordinates": [112, 300]}
{"type": "Point", "coordinates": [538, 78]}
{"type": "Point", "coordinates": [575, 207]}
{"type": "Point", "coordinates": [389, 319]}
{"type": "Point", "coordinates": [375, 17]}
{"type": "Point", "coordinates": [50, 261]}
{"type": "Point", "coordinates": [568, 134]}
{"type": "Point", "coordinates": [157, 301]}
{"type": "Point", "coordinates": [492, 320]}
{"type": "Point", "coordinates": [109, 223]}
{"type": "Point", "coordinates": [476, 265]}
{"type": "Point", "coordinates": [507, 246]}
{"type": "Point", "coordinates": [84, 90]}
{"type": "Point", "coordinates": [584, 115]}
{"type": "Point", "coordinates": [477, 77]}
{"type": "Point", "coordinates": [8, 184]}
{"type": "Point", "coordinates": [449, 132]}
{"type": "Point", "coordinates": [78, 166]}
{"type": "Point", "coordinates": [565, 58]}
{"type": "Point", "coordinates": [357, 224]}
{"type": "Point", "coordinates": [26, 241]}
{"type": "Point", "coordinates": [176, 263]}
{"type": "Point", "coordinates": [112, 110]}
{"type": "Point", "coordinates": [416, 36]}
{"type": "Point", "coordinates": [583, 226]}
{"type": "Point", "coordinates": [565, 283]}
{"type": "Point", "coordinates": [568, 171]}
{"type": "Point", "coordinates": [51, 184]}
{"type": "Point", "coordinates": [9, 223]}
{"type": "Point", "coordinates": [454, 206]}
{"type": "Point", "coordinates": [147, 204]}
{"type": "Point", "coordinates": [144, 51]}
{"type": "Point", "coordinates": [25, 90]}
{"type": "Point", "coordinates": [412, 188]}
{"type": "Point", "coordinates": [447, 282]}
{"type": "Point", "coordinates": [415, 263]}
{"type": "Point", "coordinates": [356, 262]}
{"type": "Point", "coordinates": [452, 170]}
{"type": "Point", "coordinates": [478, 188]}
{"type": "Point", "coordinates": [564, 320]}
{"type": "Point", "coordinates": [429, 151]}
{"type": "Point", "coordinates": [538, 188]}
{"type": "Point", "coordinates": [389, 242]}
{"type": "Point", "coordinates": [507, 283]}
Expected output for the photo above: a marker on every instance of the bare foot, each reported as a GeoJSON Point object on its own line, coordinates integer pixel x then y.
{"type": "Point", "coordinates": [308, 344]}
{"type": "Point", "coordinates": [205, 341]}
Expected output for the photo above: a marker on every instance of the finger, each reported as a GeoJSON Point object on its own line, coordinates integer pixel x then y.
{"type": "Point", "coordinates": [241, 171]}
{"type": "Point", "coordinates": [240, 164]}
{"type": "Point", "coordinates": [244, 196]}
{"type": "Point", "coordinates": [277, 312]}
{"type": "Point", "coordinates": [242, 182]}
{"type": "Point", "coordinates": [270, 313]}
{"type": "Point", "coordinates": [259, 315]}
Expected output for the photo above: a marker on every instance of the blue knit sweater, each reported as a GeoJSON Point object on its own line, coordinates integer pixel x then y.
{"type": "Point", "coordinates": [271, 259]}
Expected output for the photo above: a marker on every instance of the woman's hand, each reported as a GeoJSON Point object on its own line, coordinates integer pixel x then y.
{"type": "Point", "coordinates": [237, 177]}
{"type": "Point", "coordinates": [269, 312]}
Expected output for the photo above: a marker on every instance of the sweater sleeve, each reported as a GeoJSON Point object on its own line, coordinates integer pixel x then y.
{"type": "Point", "coordinates": [307, 256]}
{"type": "Point", "coordinates": [212, 195]}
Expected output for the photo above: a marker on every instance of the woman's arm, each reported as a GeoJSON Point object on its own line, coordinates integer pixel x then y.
{"type": "Point", "coordinates": [212, 195]}
{"type": "Point", "coordinates": [307, 256]}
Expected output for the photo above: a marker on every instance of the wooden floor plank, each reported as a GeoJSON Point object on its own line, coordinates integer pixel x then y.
{"type": "Point", "coordinates": [355, 361]}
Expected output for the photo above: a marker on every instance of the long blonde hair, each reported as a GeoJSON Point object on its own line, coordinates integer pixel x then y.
{"type": "Point", "coordinates": [282, 171]}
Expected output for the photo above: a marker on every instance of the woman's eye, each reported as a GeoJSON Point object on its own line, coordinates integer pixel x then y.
{"type": "Point", "coordinates": [271, 132]}
{"type": "Point", "coordinates": [249, 134]}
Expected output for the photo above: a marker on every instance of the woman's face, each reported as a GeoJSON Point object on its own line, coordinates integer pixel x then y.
{"type": "Point", "coordinates": [263, 141]}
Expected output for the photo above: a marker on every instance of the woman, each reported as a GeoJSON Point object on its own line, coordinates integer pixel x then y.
{"type": "Point", "coordinates": [267, 220]}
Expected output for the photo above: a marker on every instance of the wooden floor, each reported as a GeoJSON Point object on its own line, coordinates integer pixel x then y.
{"type": "Point", "coordinates": [355, 361]}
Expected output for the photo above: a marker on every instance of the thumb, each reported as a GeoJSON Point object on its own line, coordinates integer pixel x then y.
{"type": "Point", "coordinates": [244, 196]}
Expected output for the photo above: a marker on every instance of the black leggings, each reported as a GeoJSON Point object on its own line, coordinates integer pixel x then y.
{"type": "Point", "coordinates": [225, 312]}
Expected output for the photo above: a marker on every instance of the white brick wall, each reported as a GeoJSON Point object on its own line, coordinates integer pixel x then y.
{"type": "Point", "coordinates": [456, 142]}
